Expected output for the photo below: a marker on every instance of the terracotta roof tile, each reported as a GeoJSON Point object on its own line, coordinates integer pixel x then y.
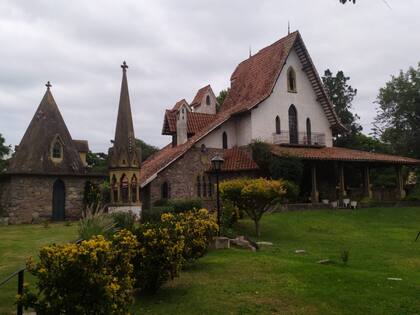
{"type": "Point", "coordinates": [199, 96]}
{"type": "Point", "coordinates": [238, 160]}
{"type": "Point", "coordinates": [195, 122]}
{"type": "Point", "coordinates": [341, 154]}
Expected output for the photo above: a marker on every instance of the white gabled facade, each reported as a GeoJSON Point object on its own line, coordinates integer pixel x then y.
{"type": "Point", "coordinates": [260, 124]}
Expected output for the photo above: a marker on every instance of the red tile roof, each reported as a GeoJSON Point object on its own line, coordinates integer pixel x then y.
{"type": "Point", "coordinates": [252, 82]}
{"type": "Point", "coordinates": [238, 160]}
{"type": "Point", "coordinates": [254, 78]}
{"type": "Point", "coordinates": [179, 104]}
{"type": "Point", "coordinates": [195, 122]}
{"type": "Point", "coordinates": [341, 154]}
{"type": "Point", "coordinates": [199, 96]}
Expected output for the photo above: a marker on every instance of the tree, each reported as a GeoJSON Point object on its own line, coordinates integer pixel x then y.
{"type": "Point", "coordinates": [341, 95]}
{"type": "Point", "coordinates": [221, 98]}
{"type": "Point", "coordinates": [97, 162]}
{"type": "Point", "coordinates": [4, 152]}
{"type": "Point", "coordinates": [255, 196]}
{"type": "Point", "coordinates": [398, 115]}
{"type": "Point", "coordinates": [147, 150]}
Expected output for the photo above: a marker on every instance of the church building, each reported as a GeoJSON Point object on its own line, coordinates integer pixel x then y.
{"type": "Point", "coordinates": [47, 174]}
{"type": "Point", "coordinates": [275, 96]}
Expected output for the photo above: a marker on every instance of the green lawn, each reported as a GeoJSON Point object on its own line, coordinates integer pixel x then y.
{"type": "Point", "coordinates": [275, 280]}
{"type": "Point", "coordinates": [17, 242]}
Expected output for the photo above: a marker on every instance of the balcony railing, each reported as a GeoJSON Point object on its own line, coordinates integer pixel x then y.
{"type": "Point", "coordinates": [316, 138]}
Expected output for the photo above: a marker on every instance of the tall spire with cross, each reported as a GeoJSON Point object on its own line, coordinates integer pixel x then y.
{"type": "Point", "coordinates": [48, 85]}
{"type": "Point", "coordinates": [288, 27]}
{"type": "Point", "coordinates": [124, 156]}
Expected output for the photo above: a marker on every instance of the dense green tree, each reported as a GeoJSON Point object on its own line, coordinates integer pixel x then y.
{"type": "Point", "coordinates": [98, 162]}
{"type": "Point", "coordinates": [4, 152]}
{"type": "Point", "coordinates": [341, 94]}
{"type": "Point", "coordinates": [398, 115]}
{"type": "Point", "coordinates": [147, 150]}
{"type": "Point", "coordinates": [221, 98]}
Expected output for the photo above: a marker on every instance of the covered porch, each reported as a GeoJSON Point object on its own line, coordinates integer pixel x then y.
{"type": "Point", "coordinates": [334, 174]}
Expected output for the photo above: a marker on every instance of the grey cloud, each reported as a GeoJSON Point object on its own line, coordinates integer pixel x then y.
{"type": "Point", "coordinates": [175, 47]}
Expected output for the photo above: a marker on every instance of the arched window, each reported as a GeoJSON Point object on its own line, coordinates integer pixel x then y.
{"type": "Point", "coordinates": [134, 189]}
{"type": "Point", "coordinates": [205, 186]}
{"type": "Point", "coordinates": [124, 188]}
{"type": "Point", "coordinates": [308, 132]}
{"type": "Point", "coordinates": [291, 80]}
{"type": "Point", "coordinates": [209, 187]}
{"type": "Point", "coordinates": [225, 140]}
{"type": "Point", "coordinates": [207, 100]}
{"type": "Point", "coordinates": [278, 130]}
{"type": "Point", "coordinates": [293, 125]}
{"type": "Point", "coordinates": [57, 148]}
{"type": "Point", "coordinates": [114, 188]}
{"type": "Point", "coordinates": [165, 192]}
{"type": "Point", "coordinates": [198, 186]}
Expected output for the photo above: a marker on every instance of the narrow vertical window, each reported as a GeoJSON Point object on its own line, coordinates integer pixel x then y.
{"type": "Point", "coordinates": [164, 191]}
{"type": "Point", "coordinates": [207, 100]}
{"type": "Point", "coordinates": [204, 186]}
{"type": "Point", "coordinates": [134, 189]}
{"type": "Point", "coordinates": [278, 130]}
{"type": "Point", "coordinates": [291, 80]}
{"type": "Point", "coordinates": [114, 186]}
{"type": "Point", "coordinates": [198, 186]}
{"type": "Point", "coordinates": [225, 140]}
{"type": "Point", "coordinates": [210, 188]}
{"type": "Point", "coordinates": [293, 125]}
{"type": "Point", "coordinates": [124, 188]}
{"type": "Point", "coordinates": [308, 132]}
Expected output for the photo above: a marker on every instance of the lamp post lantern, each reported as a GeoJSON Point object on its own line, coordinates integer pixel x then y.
{"type": "Point", "coordinates": [216, 163]}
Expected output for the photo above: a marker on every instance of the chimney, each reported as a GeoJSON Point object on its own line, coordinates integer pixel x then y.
{"type": "Point", "coordinates": [181, 126]}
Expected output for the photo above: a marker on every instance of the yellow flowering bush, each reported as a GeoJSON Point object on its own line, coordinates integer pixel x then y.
{"type": "Point", "coordinates": [254, 196]}
{"type": "Point", "coordinates": [92, 277]}
{"type": "Point", "coordinates": [159, 253]}
{"type": "Point", "coordinates": [198, 227]}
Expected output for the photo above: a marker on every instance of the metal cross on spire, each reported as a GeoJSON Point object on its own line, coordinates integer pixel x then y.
{"type": "Point", "coordinates": [124, 66]}
{"type": "Point", "coordinates": [48, 85]}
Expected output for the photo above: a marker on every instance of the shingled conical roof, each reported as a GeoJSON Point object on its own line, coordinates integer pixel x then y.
{"type": "Point", "coordinates": [33, 155]}
{"type": "Point", "coordinates": [124, 152]}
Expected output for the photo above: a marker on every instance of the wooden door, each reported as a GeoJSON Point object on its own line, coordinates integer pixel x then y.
{"type": "Point", "coordinates": [59, 200]}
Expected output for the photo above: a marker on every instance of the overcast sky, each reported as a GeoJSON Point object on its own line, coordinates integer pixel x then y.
{"type": "Point", "coordinates": [175, 47]}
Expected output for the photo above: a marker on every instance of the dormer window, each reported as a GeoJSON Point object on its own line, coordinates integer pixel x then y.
{"type": "Point", "coordinates": [291, 80]}
{"type": "Point", "coordinates": [56, 150]}
{"type": "Point", "coordinates": [207, 100]}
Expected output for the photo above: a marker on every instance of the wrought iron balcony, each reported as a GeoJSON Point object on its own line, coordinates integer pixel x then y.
{"type": "Point", "coordinates": [302, 139]}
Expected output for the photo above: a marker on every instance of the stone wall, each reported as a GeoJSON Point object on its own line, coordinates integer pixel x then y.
{"type": "Point", "coordinates": [26, 196]}
{"type": "Point", "coordinates": [181, 177]}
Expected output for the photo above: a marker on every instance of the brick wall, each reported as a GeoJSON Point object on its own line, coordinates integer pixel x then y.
{"type": "Point", "coordinates": [23, 196]}
{"type": "Point", "coordinates": [181, 176]}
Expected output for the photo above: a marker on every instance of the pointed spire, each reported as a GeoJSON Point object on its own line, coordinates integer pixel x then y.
{"type": "Point", "coordinates": [250, 52]}
{"type": "Point", "coordinates": [288, 27]}
{"type": "Point", "coordinates": [124, 141]}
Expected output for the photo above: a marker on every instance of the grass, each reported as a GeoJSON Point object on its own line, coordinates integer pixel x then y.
{"type": "Point", "coordinates": [275, 280]}
{"type": "Point", "coordinates": [17, 242]}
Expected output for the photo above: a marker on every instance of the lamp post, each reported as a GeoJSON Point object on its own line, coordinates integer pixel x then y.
{"type": "Point", "coordinates": [217, 162]}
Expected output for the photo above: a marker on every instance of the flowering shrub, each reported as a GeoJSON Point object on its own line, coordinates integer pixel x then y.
{"type": "Point", "coordinates": [254, 196]}
{"type": "Point", "coordinates": [159, 253]}
{"type": "Point", "coordinates": [198, 227]}
{"type": "Point", "coordinates": [93, 277]}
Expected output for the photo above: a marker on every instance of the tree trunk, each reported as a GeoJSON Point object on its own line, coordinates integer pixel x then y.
{"type": "Point", "coordinates": [257, 227]}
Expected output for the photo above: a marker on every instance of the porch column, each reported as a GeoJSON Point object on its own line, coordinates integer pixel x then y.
{"type": "Point", "coordinates": [367, 192]}
{"type": "Point", "coordinates": [314, 193]}
{"type": "Point", "coordinates": [343, 192]}
{"type": "Point", "coordinates": [400, 182]}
